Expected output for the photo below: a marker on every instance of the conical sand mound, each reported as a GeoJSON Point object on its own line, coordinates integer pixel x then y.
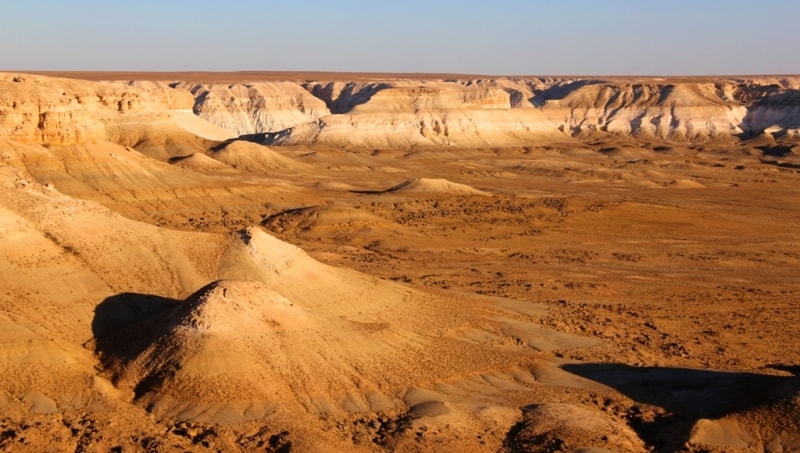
{"type": "Point", "coordinates": [252, 157]}
{"type": "Point", "coordinates": [435, 185]}
{"type": "Point", "coordinates": [200, 162]}
{"type": "Point", "coordinates": [687, 184]}
{"type": "Point", "coordinates": [238, 350]}
{"type": "Point", "coordinates": [300, 336]}
{"type": "Point", "coordinates": [223, 355]}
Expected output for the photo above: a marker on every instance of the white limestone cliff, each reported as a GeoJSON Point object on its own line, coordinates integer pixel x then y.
{"type": "Point", "coordinates": [257, 107]}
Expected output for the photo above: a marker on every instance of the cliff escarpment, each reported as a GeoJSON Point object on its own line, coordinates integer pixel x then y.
{"type": "Point", "coordinates": [513, 111]}
{"type": "Point", "coordinates": [396, 112]}
{"type": "Point", "coordinates": [251, 108]}
{"type": "Point", "coordinates": [36, 109]}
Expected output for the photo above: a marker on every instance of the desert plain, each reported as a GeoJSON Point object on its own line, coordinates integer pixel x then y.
{"type": "Point", "coordinates": [399, 262]}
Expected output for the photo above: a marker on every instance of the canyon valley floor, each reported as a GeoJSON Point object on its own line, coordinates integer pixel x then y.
{"type": "Point", "coordinates": [388, 262]}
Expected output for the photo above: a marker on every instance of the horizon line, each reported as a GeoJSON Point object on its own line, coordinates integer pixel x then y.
{"type": "Point", "coordinates": [97, 75]}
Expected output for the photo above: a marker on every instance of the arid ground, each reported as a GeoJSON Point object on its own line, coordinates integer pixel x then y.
{"type": "Point", "coordinates": [378, 262]}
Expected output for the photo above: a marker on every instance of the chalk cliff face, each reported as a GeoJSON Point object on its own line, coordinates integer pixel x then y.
{"type": "Point", "coordinates": [776, 112]}
{"type": "Point", "coordinates": [256, 107]}
{"type": "Point", "coordinates": [399, 113]}
{"type": "Point", "coordinates": [407, 95]}
{"type": "Point", "coordinates": [35, 109]}
{"type": "Point", "coordinates": [680, 112]}
{"type": "Point", "coordinates": [509, 111]}
{"type": "Point", "coordinates": [407, 113]}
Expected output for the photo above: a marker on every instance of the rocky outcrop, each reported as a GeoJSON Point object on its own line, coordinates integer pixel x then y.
{"type": "Point", "coordinates": [465, 128]}
{"type": "Point", "coordinates": [677, 112]}
{"type": "Point", "coordinates": [512, 111]}
{"type": "Point", "coordinates": [35, 109]}
{"type": "Point", "coordinates": [407, 95]}
{"type": "Point", "coordinates": [406, 113]}
{"type": "Point", "coordinates": [398, 113]}
{"type": "Point", "coordinates": [777, 113]}
{"type": "Point", "coordinates": [256, 107]}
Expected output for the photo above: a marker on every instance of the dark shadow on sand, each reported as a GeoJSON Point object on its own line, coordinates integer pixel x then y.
{"type": "Point", "coordinates": [258, 138]}
{"type": "Point", "coordinates": [559, 91]}
{"type": "Point", "coordinates": [352, 95]}
{"type": "Point", "coordinates": [122, 324]}
{"type": "Point", "coordinates": [687, 394]}
{"type": "Point", "coordinates": [775, 99]}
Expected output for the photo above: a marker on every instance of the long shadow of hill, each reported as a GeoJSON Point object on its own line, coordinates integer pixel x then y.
{"type": "Point", "coordinates": [258, 138]}
{"type": "Point", "coordinates": [753, 122]}
{"type": "Point", "coordinates": [352, 95]}
{"type": "Point", "coordinates": [687, 394]}
{"type": "Point", "coordinates": [559, 91]}
{"type": "Point", "coordinates": [120, 324]}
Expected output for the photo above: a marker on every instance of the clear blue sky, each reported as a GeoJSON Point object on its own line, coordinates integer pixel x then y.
{"type": "Point", "coordinates": [585, 37]}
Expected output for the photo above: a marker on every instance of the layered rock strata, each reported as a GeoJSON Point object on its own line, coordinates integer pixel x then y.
{"type": "Point", "coordinates": [253, 108]}
{"type": "Point", "coordinates": [36, 109]}
{"type": "Point", "coordinates": [401, 113]}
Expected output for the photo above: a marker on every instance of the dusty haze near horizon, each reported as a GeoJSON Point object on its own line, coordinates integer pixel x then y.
{"type": "Point", "coordinates": [399, 262]}
{"type": "Point", "coordinates": [503, 37]}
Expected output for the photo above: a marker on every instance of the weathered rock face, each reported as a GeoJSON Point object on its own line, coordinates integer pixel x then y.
{"type": "Point", "coordinates": [257, 107]}
{"type": "Point", "coordinates": [161, 95]}
{"type": "Point", "coordinates": [511, 111]}
{"type": "Point", "coordinates": [32, 111]}
{"type": "Point", "coordinates": [36, 109]}
{"type": "Point", "coordinates": [506, 112]}
{"type": "Point", "coordinates": [465, 128]}
{"type": "Point", "coordinates": [401, 113]}
{"type": "Point", "coordinates": [678, 112]}
{"type": "Point", "coordinates": [407, 95]}
{"type": "Point", "coordinates": [412, 112]}
{"type": "Point", "coordinates": [777, 112]}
